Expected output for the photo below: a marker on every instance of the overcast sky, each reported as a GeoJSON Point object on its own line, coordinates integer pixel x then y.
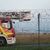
{"type": "Point", "coordinates": [24, 4]}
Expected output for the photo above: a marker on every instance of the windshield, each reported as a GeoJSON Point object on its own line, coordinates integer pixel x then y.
{"type": "Point", "coordinates": [6, 24]}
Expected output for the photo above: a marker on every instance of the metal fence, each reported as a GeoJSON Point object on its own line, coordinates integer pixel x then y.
{"type": "Point", "coordinates": [39, 34]}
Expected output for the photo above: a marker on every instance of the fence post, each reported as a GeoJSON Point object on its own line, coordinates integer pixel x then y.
{"type": "Point", "coordinates": [38, 29]}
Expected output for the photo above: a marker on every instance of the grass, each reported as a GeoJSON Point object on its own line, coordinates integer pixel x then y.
{"type": "Point", "coordinates": [23, 39]}
{"type": "Point", "coordinates": [27, 38]}
{"type": "Point", "coordinates": [21, 47]}
{"type": "Point", "coordinates": [33, 38]}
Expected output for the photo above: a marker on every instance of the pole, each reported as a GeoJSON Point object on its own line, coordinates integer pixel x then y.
{"type": "Point", "coordinates": [39, 29]}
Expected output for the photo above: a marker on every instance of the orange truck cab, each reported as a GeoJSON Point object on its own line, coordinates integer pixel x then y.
{"type": "Point", "coordinates": [7, 33]}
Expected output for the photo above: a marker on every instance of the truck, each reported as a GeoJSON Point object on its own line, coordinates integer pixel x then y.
{"type": "Point", "coordinates": [7, 32]}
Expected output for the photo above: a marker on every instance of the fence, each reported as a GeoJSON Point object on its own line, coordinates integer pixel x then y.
{"type": "Point", "coordinates": [34, 32]}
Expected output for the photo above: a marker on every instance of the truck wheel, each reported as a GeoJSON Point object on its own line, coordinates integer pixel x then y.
{"type": "Point", "coordinates": [3, 41]}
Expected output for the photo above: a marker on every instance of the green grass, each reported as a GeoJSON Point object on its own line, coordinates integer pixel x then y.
{"type": "Point", "coordinates": [24, 48]}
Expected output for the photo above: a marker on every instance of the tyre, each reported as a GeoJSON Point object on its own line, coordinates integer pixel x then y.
{"type": "Point", "coordinates": [3, 41]}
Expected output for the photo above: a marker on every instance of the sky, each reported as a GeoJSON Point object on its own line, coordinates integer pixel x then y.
{"type": "Point", "coordinates": [24, 4]}
{"type": "Point", "coordinates": [30, 26]}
